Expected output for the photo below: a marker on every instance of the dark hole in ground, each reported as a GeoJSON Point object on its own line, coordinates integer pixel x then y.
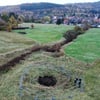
{"type": "Point", "coordinates": [47, 80]}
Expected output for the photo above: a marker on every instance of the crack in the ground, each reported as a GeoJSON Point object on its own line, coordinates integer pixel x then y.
{"type": "Point", "coordinates": [48, 48]}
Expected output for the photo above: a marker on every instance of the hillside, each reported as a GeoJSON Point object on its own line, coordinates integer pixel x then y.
{"type": "Point", "coordinates": [91, 41]}
{"type": "Point", "coordinates": [96, 5]}
{"type": "Point", "coordinates": [14, 87]}
{"type": "Point", "coordinates": [12, 44]}
{"type": "Point", "coordinates": [44, 6]}
{"type": "Point", "coordinates": [39, 6]}
{"type": "Point", "coordinates": [29, 7]}
{"type": "Point", "coordinates": [23, 80]}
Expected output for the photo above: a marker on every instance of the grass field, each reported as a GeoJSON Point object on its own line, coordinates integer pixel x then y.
{"type": "Point", "coordinates": [9, 82]}
{"type": "Point", "coordinates": [86, 47]}
{"type": "Point", "coordinates": [77, 63]}
{"type": "Point", "coordinates": [11, 41]}
{"type": "Point", "coordinates": [46, 33]}
{"type": "Point", "coordinates": [12, 44]}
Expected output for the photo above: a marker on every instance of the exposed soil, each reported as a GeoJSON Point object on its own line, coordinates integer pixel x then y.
{"type": "Point", "coordinates": [5, 67]}
{"type": "Point", "coordinates": [47, 80]}
{"type": "Point", "coordinates": [48, 48]}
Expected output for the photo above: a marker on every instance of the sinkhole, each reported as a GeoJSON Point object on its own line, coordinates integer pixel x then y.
{"type": "Point", "coordinates": [47, 80]}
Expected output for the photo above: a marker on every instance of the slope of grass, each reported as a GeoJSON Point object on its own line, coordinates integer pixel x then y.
{"type": "Point", "coordinates": [85, 44]}
{"type": "Point", "coordinates": [9, 82]}
{"type": "Point", "coordinates": [46, 33]}
{"type": "Point", "coordinates": [12, 44]}
{"type": "Point", "coordinates": [92, 77]}
{"type": "Point", "coordinates": [86, 47]}
{"type": "Point", "coordinates": [11, 41]}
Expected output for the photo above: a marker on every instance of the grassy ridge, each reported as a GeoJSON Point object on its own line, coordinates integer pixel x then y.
{"type": "Point", "coordinates": [86, 47]}
{"type": "Point", "coordinates": [10, 41]}
{"type": "Point", "coordinates": [12, 45]}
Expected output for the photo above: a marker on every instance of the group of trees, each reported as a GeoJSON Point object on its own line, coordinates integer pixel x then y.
{"type": "Point", "coordinates": [10, 21]}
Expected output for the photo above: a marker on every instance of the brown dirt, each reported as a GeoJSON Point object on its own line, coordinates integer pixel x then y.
{"type": "Point", "coordinates": [47, 80]}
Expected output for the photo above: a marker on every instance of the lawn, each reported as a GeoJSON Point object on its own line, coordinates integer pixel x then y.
{"type": "Point", "coordinates": [86, 47]}
{"type": "Point", "coordinates": [46, 33]}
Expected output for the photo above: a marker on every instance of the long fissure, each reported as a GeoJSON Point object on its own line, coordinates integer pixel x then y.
{"type": "Point", "coordinates": [48, 48]}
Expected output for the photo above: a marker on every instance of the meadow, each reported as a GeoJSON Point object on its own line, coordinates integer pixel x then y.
{"type": "Point", "coordinates": [10, 41]}
{"type": "Point", "coordinates": [86, 47]}
{"type": "Point", "coordinates": [81, 60]}
{"type": "Point", "coordinates": [45, 33]}
{"type": "Point", "coordinates": [12, 44]}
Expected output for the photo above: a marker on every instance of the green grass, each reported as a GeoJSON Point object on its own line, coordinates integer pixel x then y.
{"type": "Point", "coordinates": [12, 44]}
{"type": "Point", "coordinates": [46, 33]}
{"type": "Point", "coordinates": [10, 41]}
{"type": "Point", "coordinates": [9, 82]}
{"type": "Point", "coordinates": [92, 77]}
{"type": "Point", "coordinates": [86, 47]}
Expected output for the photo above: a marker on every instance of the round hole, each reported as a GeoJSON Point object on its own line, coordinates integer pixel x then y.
{"type": "Point", "coordinates": [47, 80]}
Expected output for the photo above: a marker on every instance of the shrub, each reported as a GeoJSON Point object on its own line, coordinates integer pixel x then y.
{"type": "Point", "coordinates": [32, 26]}
{"type": "Point", "coordinates": [52, 48]}
{"type": "Point", "coordinates": [59, 21]}
{"type": "Point", "coordinates": [70, 35]}
{"type": "Point", "coordinates": [79, 30]}
{"type": "Point", "coordinates": [85, 26]}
